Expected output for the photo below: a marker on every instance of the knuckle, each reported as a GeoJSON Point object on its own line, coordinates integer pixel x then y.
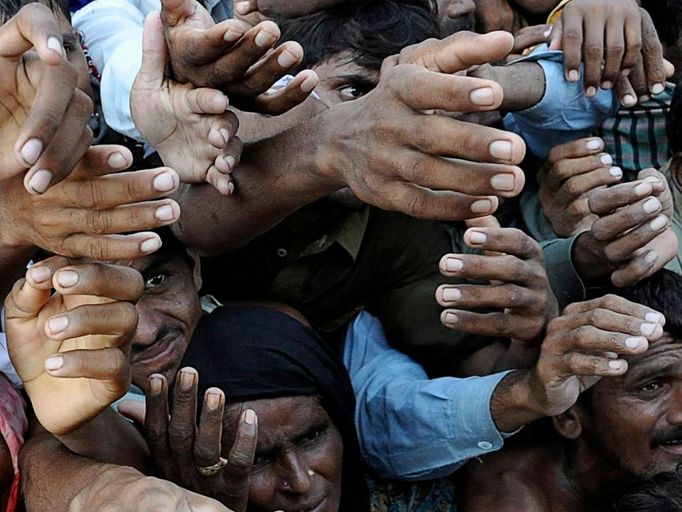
{"type": "Point", "coordinates": [593, 51]}
{"type": "Point", "coordinates": [98, 222]}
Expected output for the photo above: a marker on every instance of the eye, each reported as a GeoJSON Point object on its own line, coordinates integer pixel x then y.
{"type": "Point", "coordinates": [313, 436]}
{"type": "Point", "coordinates": [351, 92]}
{"type": "Point", "coordinates": [652, 387]}
{"type": "Point", "coordinates": [155, 280]}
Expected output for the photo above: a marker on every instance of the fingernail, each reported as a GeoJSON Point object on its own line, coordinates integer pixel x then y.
{"type": "Point", "coordinates": [150, 245]}
{"type": "Point", "coordinates": [634, 342]}
{"type": "Point", "coordinates": [213, 401]}
{"type": "Point", "coordinates": [67, 278]}
{"type": "Point", "coordinates": [476, 237]}
{"type": "Point", "coordinates": [648, 329]}
{"type": "Point", "coordinates": [164, 182]}
{"type": "Point", "coordinates": [286, 59]}
{"type": "Point", "coordinates": [250, 417]}
{"type": "Point", "coordinates": [57, 324]}
{"type": "Point", "coordinates": [165, 213]}
{"type": "Point", "coordinates": [309, 84]}
{"type": "Point", "coordinates": [590, 91]}
{"type": "Point", "coordinates": [155, 385]}
{"type": "Point", "coordinates": [644, 99]}
{"type": "Point", "coordinates": [232, 36]}
{"type": "Point", "coordinates": [659, 223]}
{"type": "Point", "coordinates": [31, 151]}
{"type": "Point", "coordinates": [573, 75]}
{"type": "Point", "coordinates": [651, 257]}
{"type": "Point", "coordinates": [626, 72]}
{"type": "Point", "coordinates": [652, 179]}
{"type": "Point", "coordinates": [40, 181]}
{"type": "Point", "coordinates": [594, 144]}
{"type": "Point", "coordinates": [453, 265]}
{"type": "Point", "coordinates": [616, 172]}
{"type": "Point", "coordinates": [482, 206]}
{"type": "Point", "coordinates": [230, 188]}
{"type": "Point", "coordinates": [242, 7]}
{"type": "Point", "coordinates": [652, 205]}
{"type": "Point", "coordinates": [654, 317]}
{"type": "Point", "coordinates": [615, 365]}
{"type": "Point", "coordinates": [483, 96]}
{"type": "Point", "coordinates": [547, 32]}
{"type": "Point", "coordinates": [40, 273]}
{"type": "Point", "coordinates": [606, 85]}
{"type": "Point", "coordinates": [53, 363]}
{"type": "Point", "coordinates": [657, 88]}
{"type": "Point", "coordinates": [116, 161]}
{"type": "Point", "coordinates": [450, 318]}
{"type": "Point", "coordinates": [452, 294]}
{"type": "Point", "coordinates": [606, 159]}
{"type": "Point", "coordinates": [643, 189]}
{"type": "Point", "coordinates": [503, 182]}
{"type": "Point", "coordinates": [230, 162]}
{"type": "Point", "coordinates": [629, 100]}
{"type": "Point", "coordinates": [54, 45]}
{"type": "Point", "coordinates": [501, 149]}
{"type": "Point", "coordinates": [265, 39]}
{"type": "Point", "coordinates": [224, 132]}
{"type": "Point", "coordinates": [186, 380]}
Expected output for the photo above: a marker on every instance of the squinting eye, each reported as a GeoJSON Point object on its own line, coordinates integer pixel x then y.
{"type": "Point", "coordinates": [652, 386]}
{"type": "Point", "coordinates": [154, 281]}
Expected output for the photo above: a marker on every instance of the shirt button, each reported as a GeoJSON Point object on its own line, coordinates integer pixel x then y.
{"type": "Point", "coordinates": [485, 445]}
{"type": "Point", "coordinates": [282, 253]}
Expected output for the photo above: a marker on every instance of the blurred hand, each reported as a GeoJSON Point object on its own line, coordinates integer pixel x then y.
{"type": "Point", "coordinates": [517, 285]}
{"type": "Point", "coordinates": [43, 116]}
{"type": "Point", "coordinates": [71, 348]}
{"type": "Point", "coordinates": [572, 172]}
{"type": "Point", "coordinates": [83, 215]}
{"type": "Point", "coordinates": [123, 488]}
{"type": "Point", "coordinates": [530, 36]}
{"type": "Point", "coordinates": [234, 58]}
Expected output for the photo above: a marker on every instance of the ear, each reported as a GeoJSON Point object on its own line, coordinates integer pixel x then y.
{"type": "Point", "coordinates": [195, 264]}
{"type": "Point", "coordinates": [569, 423]}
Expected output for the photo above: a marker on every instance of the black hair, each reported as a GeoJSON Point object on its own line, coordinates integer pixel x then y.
{"type": "Point", "coordinates": [369, 31]}
{"type": "Point", "coordinates": [661, 292]}
{"type": "Point", "coordinates": [661, 493]}
{"type": "Point", "coordinates": [667, 18]}
{"type": "Point", "coordinates": [9, 8]}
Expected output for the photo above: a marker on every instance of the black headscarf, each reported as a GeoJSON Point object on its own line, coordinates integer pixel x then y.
{"type": "Point", "coordinates": [254, 352]}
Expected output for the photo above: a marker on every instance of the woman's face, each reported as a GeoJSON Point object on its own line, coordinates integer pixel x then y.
{"type": "Point", "coordinates": [299, 457]}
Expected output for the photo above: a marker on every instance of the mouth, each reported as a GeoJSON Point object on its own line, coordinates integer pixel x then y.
{"type": "Point", "coordinates": [317, 507]}
{"type": "Point", "coordinates": [673, 446]}
{"type": "Point", "coordinates": [154, 354]}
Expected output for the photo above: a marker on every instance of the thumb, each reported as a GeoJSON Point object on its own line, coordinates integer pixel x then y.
{"type": "Point", "coordinates": [154, 51]}
{"type": "Point", "coordinates": [489, 221]}
{"type": "Point", "coordinates": [133, 410]}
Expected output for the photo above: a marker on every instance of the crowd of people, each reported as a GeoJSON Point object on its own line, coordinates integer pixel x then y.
{"type": "Point", "coordinates": [341, 255]}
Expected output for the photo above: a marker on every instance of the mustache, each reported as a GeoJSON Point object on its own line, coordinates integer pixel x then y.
{"type": "Point", "coordinates": [666, 436]}
{"type": "Point", "coordinates": [164, 330]}
{"type": "Point", "coordinates": [454, 25]}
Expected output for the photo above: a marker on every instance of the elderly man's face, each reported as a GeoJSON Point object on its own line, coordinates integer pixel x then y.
{"type": "Point", "coordinates": [299, 457]}
{"type": "Point", "coordinates": [635, 421]}
{"type": "Point", "coordinates": [168, 311]}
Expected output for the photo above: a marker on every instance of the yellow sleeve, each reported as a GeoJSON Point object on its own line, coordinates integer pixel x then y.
{"type": "Point", "coordinates": [556, 13]}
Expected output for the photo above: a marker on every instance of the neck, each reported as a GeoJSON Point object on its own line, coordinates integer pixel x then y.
{"type": "Point", "coordinates": [591, 482]}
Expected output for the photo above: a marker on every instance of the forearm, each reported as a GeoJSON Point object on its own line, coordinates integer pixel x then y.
{"type": "Point", "coordinates": [590, 261]}
{"type": "Point", "coordinates": [523, 84]}
{"type": "Point", "coordinates": [513, 405]}
{"type": "Point", "coordinates": [52, 475]}
{"type": "Point", "coordinates": [109, 438]}
{"type": "Point", "coordinates": [275, 178]}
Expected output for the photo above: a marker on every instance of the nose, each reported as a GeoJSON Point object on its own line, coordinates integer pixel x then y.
{"type": "Point", "coordinates": [458, 8]}
{"type": "Point", "coordinates": [147, 325]}
{"type": "Point", "coordinates": [295, 475]}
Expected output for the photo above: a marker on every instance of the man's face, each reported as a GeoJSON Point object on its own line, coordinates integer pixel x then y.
{"type": "Point", "coordinates": [168, 311]}
{"type": "Point", "coordinates": [74, 53]}
{"type": "Point", "coordinates": [299, 457]}
{"type": "Point", "coordinates": [456, 15]}
{"type": "Point", "coordinates": [635, 421]}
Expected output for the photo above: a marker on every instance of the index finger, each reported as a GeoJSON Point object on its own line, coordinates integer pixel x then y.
{"type": "Point", "coordinates": [34, 26]}
{"type": "Point", "coordinates": [503, 240]}
{"type": "Point", "coordinates": [618, 305]}
{"type": "Point", "coordinates": [243, 450]}
{"type": "Point", "coordinates": [172, 11]}
{"type": "Point", "coordinates": [604, 201]}
{"type": "Point", "coordinates": [575, 149]}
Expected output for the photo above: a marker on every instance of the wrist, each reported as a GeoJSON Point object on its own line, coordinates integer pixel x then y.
{"type": "Point", "coordinates": [514, 402]}
{"type": "Point", "coordinates": [589, 259]}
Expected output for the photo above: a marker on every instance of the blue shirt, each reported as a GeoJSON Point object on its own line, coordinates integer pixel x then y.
{"type": "Point", "coordinates": [564, 113]}
{"type": "Point", "coordinates": [412, 427]}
